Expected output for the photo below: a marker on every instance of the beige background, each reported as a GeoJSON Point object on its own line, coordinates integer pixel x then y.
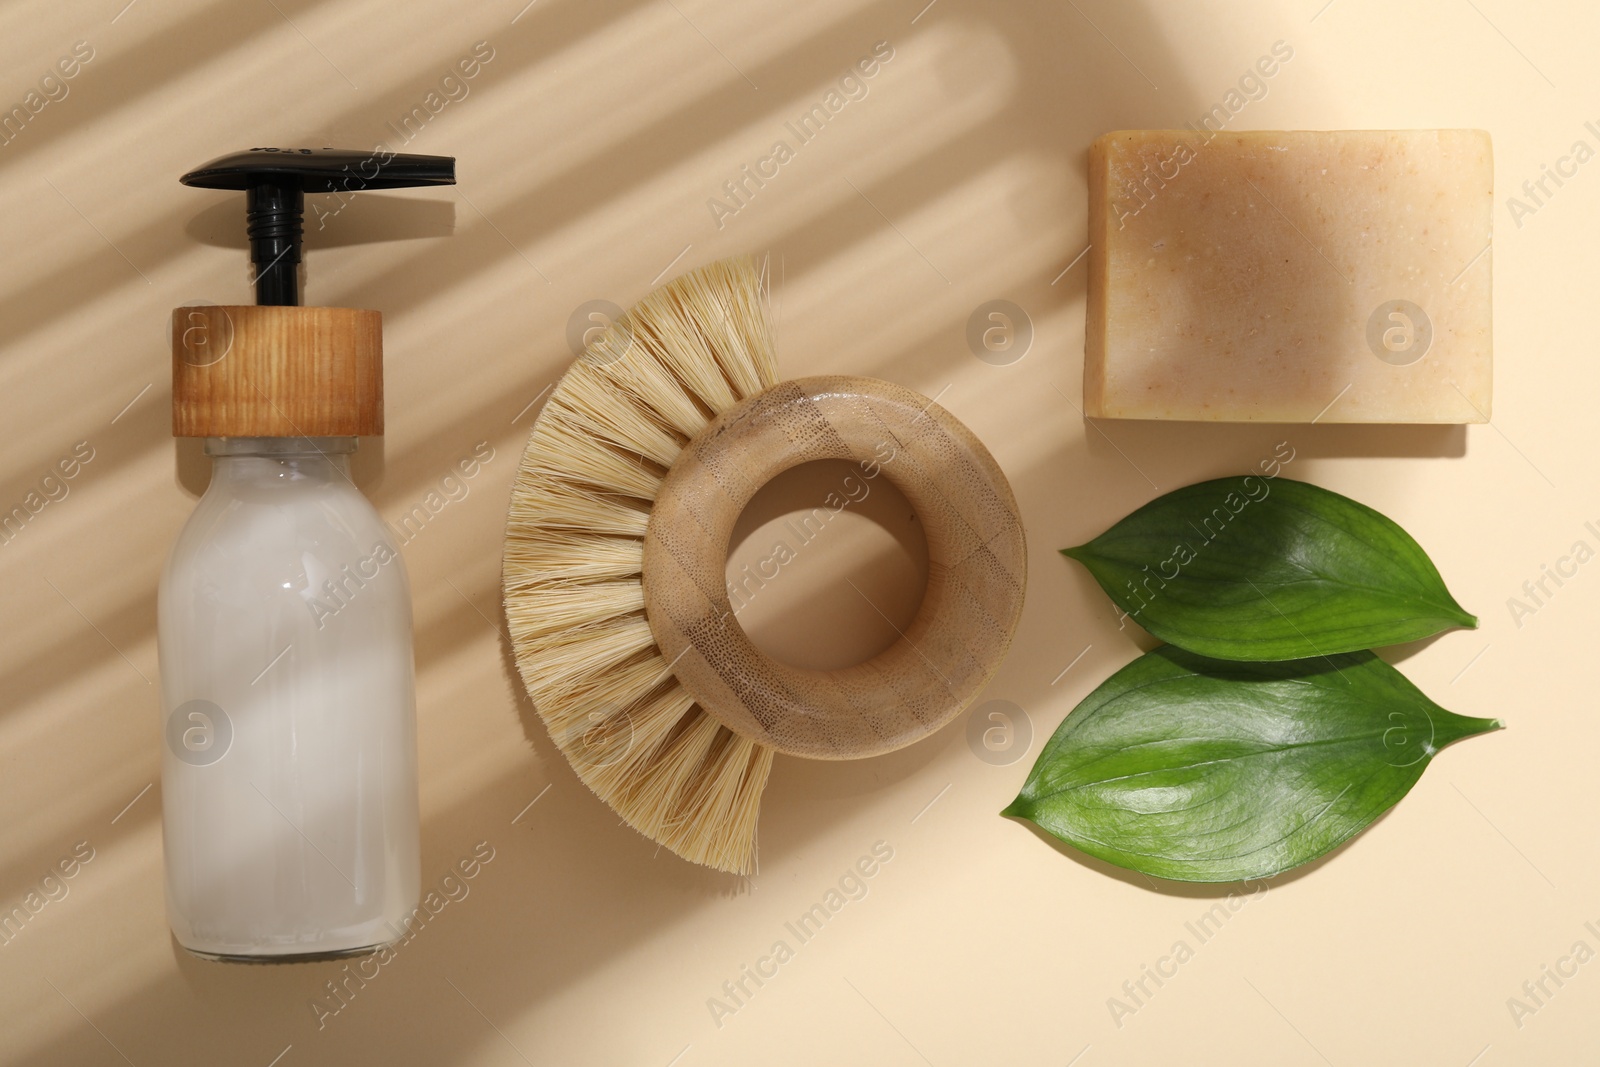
{"type": "Point", "coordinates": [588, 148]}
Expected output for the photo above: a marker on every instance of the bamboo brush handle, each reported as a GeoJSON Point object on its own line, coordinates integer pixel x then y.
{"type": "Point", "coordinates": [977, 568]}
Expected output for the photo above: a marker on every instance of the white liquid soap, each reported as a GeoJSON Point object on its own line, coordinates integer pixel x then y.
{"type": "Point", "coordinates": [289, 773]}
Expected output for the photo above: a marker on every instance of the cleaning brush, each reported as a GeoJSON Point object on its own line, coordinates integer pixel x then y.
{"type": "Point", "coordinates": [636, 469]}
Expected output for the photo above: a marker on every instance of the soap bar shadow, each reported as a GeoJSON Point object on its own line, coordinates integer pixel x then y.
{"type": "Point", "coordinates": [1310, 441]}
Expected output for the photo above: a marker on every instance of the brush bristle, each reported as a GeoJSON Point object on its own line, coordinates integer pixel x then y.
{"type": "Point", "coordinates": [574, 587]}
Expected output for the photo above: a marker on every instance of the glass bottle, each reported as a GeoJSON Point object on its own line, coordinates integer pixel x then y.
{"type": "Point", "coordinates": [289, 769]}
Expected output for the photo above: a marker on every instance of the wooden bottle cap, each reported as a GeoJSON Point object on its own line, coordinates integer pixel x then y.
{"type": "Point", "coordinates": [269, 371]}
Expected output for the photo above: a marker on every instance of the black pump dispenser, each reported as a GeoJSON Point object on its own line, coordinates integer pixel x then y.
{"type": "Point", "coordinates": [275, 181]}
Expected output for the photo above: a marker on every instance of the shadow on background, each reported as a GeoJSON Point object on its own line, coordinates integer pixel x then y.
{"type": "Point", "coordinates": [1196, 890]}
{"type": "Point", "coordinates": [592, 888]}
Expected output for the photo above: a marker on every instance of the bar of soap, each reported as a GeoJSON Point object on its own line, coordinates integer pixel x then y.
{"type": "Point", "coordinates": [1290, 277]}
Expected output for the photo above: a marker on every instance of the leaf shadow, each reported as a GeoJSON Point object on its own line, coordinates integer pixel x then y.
{"type": "Point", "coordinates": [1194, 890]}
{"type": "Point", "coordinates": [1394, 655]}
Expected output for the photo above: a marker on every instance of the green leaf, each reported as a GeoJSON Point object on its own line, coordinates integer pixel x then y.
{"type": "Point", "coordinates": [1203, 771]}
{"type": "Point", "coordinates": [1251, 568]}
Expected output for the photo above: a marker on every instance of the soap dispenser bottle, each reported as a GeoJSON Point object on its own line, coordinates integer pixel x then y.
{"type": "Point", "coordinates": [289, 767]}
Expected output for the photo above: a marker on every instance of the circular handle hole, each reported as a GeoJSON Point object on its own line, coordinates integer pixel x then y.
{"type": "Point", "coordinates": [827, 566]}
